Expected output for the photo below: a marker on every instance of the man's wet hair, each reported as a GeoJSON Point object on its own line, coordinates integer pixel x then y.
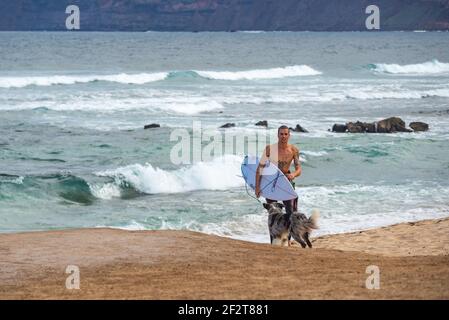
{"type": "Point", "coordinates": [283, 127]}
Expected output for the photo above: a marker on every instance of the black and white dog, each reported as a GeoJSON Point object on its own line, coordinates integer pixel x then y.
{"type": "Point", "coordinates": [282, 227]}
{"type": "Point", "coordinates": [278, 224]}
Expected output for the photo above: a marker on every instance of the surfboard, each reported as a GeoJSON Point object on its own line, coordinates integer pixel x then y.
{"type": "Point", "coordinates": [274, 184]}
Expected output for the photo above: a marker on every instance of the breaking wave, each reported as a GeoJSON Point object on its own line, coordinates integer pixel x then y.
{"type": "Point", "coordinates": [143, 78]}
{"type": "Point", "coordinates": [219, 174]}
{"type": "Point", "coordinates": [259, 74]}
{"type": "Point", "coordinates": [429, 67]}
{"type": "Point", "coordinates": [20, 82]}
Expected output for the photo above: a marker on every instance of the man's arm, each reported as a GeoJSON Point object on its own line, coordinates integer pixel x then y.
{"type": "Point", "coordinates": [297, 163]}
{"type": "Point", "coordinates": [262, 162]}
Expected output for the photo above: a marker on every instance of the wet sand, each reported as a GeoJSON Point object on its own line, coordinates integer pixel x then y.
{"type": "Point", "coordinates": [413, 259]}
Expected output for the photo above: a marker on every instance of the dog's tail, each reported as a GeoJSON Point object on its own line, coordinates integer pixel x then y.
{"type": "Point", "coordinates": [313, 220]}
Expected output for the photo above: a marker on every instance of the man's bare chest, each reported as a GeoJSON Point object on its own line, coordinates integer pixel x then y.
{"type": "Point", "coordinates": [282, 159]}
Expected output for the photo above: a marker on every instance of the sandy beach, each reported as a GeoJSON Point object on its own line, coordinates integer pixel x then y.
{"type": "Point", "coordinates": [413, 259]}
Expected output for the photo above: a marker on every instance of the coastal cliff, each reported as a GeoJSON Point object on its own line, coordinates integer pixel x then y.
{"type": "Point", "coordinates": [224, 15]}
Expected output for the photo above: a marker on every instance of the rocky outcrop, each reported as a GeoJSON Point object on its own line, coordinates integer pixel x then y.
{"type": "Point", "coordinates": [360, 127]}
{"type": "Point", "coordinates": [263, 123]}
{"type": "Point", "coordinates": [389, 125]}
{"type": "Point", "coordinates": [339, 128]}
{"type": "Point", "coordinates": [419, 126]}
{"type": "Point", "coordinates": [224, 15]}
{"type": "Point", "coordinates": [298, 128]}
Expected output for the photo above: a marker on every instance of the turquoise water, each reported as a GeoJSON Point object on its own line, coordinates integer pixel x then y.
{"type": "Point", "coordinates": [73, 152]}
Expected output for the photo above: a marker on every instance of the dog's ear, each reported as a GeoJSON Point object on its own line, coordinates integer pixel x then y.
{"type": "Point", "coordinates": [266, 206]}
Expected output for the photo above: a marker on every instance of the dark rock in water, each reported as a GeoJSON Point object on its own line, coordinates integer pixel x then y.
{"type": "Point", "coordinates": [371, 127]}
{"type": "Point", "coordinates": [152, 126]}
{"type": "Point", "coordinates": [339, 128]}
{"type": "Point", "coordinates": [228, 125]}
{"type": "Point", "coordinates": [390, 125]}
{"type": "Point", "coordinates": [419, 126]}
{"type": "Point", "coordinates": [263, 123]}
{"type": "Point", "coordinates": [361, 127]}
{"type": "Point", "coordinates": [298, 128]}
{"type": "Point", "coordinates": [355, 127]}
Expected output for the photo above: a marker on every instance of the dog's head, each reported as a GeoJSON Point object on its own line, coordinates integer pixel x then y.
{"type": "Point", "coordinates": [274, 207]}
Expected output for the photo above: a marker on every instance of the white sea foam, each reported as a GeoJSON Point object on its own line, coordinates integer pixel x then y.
{"type": "Point", "coordinates": [251, 227]}
{"type": "Point", "coordinates": [190, 108]}
{"type": "Point", "coordinates": [19, 82]}
{"type": "Point", "coordinates": [429, 67]}
{"type": "Point", "coordinates": [314, 153]}
{"type": "Point", "coordinates": [106, 191]}
{"type": "Point", "coordinates": [258, 74]}
{"type": "Point", "coordinates": [186, 102]}
{"type": "Point", "coordinates": [330, 93]}
{"type": "Point", "coordinates": [178, 103]}
{"type": "Point", "coordinates": [131, 226]}
{"type": "Point", "coordinates": [222, 173]}
{"type": "Point", "coordinates": [18, 180]}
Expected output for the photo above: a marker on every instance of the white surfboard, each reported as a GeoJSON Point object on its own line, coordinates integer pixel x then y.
{"type": "Point", "coordinates": [274, 184]}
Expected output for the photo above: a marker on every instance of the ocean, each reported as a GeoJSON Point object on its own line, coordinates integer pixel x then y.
{"type": "Point", "coordinates": [74, 154]}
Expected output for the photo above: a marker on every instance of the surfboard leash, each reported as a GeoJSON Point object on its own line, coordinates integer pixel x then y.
{"type": "Point", "coordinates": [246, 188]}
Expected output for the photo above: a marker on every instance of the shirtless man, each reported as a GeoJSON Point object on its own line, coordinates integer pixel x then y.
{"type": "Point", "coordinates": [281, 154]}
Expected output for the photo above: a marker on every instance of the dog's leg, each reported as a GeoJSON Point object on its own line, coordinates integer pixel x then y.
{"type": "Point", "coordinates": [306, 237]}
{"type": "Point", "coordinates": [303, 245]}
{"type": "Point", "coordinates": [301, 242]}
{"type": "Point", "coordinates": [289, 237]}
{"type": "Point", "coordinates": [288, 212]}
